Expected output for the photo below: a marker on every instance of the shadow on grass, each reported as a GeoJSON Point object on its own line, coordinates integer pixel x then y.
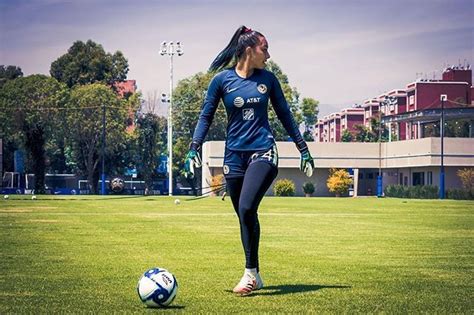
{"type": "Point", "coordinates": [296, 288]}
{"type": "Point", "coordinates": [293, 288]}
{"type": "Point", "coordinates": [169, 307]}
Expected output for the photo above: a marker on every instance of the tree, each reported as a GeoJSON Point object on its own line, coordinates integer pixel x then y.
{"type": "Point", "coordinates": [346, 136]}
{"type": "Point", "coordinates": [466, 175]}
{"type": "Point", "coordinates": [84, 119]}
{"type": "Point", "coordinates": [309, 111]}
{"type": "Point", "coordinates": [88, 63]}
{"type": "Point", "coordinates": [364, 134]}
{"type": "Point", "coordinates": [339, 181]}
{"type": "Point", "coordinates": [9, 73]}
{"type": "Point", "coordinates": [150, 142]}
{"type": "Point", "coordinates": [292, 97]}
{"type": "Point", "coordinates": [30, 107]}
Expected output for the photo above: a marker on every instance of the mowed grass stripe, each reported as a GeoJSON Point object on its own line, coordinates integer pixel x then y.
{"type": "Point", "coordinates": [317, 254]}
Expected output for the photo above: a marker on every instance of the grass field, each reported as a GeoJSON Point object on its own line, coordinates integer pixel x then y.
{"type": "Point", "coordinates": [86, 254]}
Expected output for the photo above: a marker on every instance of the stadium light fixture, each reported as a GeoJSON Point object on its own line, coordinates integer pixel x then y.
{"type": "Point", "coordinates": [170, 49]}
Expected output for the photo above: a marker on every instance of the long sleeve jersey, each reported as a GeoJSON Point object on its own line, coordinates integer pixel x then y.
{"type": "Point", "coordinates": [246, 104]}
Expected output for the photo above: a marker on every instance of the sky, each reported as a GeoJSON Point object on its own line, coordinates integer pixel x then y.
{"type": "Point", "coordinates": [337, 52]}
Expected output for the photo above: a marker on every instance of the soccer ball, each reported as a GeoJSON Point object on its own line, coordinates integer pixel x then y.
{"type": "Point", "coordinates": [33, 197]}
{"type": "Point", "coordinates": [157, 287]}
{"type": "Point", "coordinates": [117, 185]}
{"type": "Point", "coordinates": [6, 197]}
{"type": "Point", "coordinates": [177, 202]}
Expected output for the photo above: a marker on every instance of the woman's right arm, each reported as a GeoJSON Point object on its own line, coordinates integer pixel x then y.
{"type": "Point", "coordinates": [208, 109]}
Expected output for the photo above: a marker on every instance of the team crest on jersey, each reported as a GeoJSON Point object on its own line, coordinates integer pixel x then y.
{"type": "Point", "coordinates": [262, 88]}
{"type": "Point", "coordinates": [248, 114]}
{"type": "Point", "coordinates": [239, 102]}
{"type": "Point", "coordinates": [226, 169]}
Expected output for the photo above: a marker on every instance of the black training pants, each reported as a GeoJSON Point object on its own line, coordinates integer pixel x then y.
{"type": "Point", "coordinates": [246, 193]}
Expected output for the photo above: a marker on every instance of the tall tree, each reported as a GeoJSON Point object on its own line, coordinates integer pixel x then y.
{"type": "Point", "coordinates": [150, 142]}
{"type": "Point", "coordinates": [292, 97]}
{"type": "Point", "coordinates": [29, 113]}
{"type": "Point", "coordinates": [88, 63]}
{"type": "Point", "coordinates": [9, 73]}
{"type": "Point", "coordinates": [84, 120]}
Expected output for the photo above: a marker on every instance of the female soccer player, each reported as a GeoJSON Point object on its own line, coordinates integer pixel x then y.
{"type": "Point", "coordinates": [251, 159]}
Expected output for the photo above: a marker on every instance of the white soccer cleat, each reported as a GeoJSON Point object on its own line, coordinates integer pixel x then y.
{"type": "Point", "coordinates": [247, 284]}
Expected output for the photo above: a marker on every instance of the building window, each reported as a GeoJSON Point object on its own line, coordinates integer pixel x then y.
{"type": "Point", "coordinates": [370, 175]}
{"type": "Point", "coordinates": [418, 178]}
{"type": "Point", "coordinates": [401, 179]}
{"type": "Point", "coordinates": [411, 100]}
{"type": "Point", "coordinates": [429, 178]}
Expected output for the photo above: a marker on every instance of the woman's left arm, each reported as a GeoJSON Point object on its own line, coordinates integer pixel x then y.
{"type": "Point", "coordinates": [286, 117]}
{"type": "Point", "coordinates": [284, 114]}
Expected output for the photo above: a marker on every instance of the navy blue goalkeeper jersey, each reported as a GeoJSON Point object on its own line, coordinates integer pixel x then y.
{"type": "Point", "coordinates": [246, 104]}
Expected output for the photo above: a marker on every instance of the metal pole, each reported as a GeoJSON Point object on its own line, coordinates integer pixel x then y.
{"type": "Point", "coordinates": [441, 128]}
{"type": "Point", "coordinates": [103, 151]}
{"type": "Point", "coordinates": [170, 125]}
{"type": "Point", "coordinates": [169, 49]}
{"type": "Point", "coordinates": [379, 177]}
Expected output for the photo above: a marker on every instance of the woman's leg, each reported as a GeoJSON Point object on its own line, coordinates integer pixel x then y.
{"type": "Point", "coordinates": [234, 188]}
{"type": "Point", "coordinates": [258, 178]}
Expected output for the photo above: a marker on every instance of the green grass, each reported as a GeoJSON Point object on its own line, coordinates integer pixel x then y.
{"type": "Point", "coordinates": [86, 254]}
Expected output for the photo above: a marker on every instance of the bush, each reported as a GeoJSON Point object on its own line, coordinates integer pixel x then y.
{"type": "Point", "coordinates": [216, 183]}
{"type": "Point", "coordinates": [339, 181]}
{"type": "Point", "coordinates": [284, 187]}
{"type": "Point", "coordinates": [459, 194]}
{"type": "Point", "coordinates": [308, 188]}
{"type": "Point", "coordinates": [417, 192]}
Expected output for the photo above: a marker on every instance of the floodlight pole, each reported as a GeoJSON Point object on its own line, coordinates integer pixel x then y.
{"type": "Point", "coordinates": [170, 49]}
{"type": "Point", "coordinates": [441, 131]}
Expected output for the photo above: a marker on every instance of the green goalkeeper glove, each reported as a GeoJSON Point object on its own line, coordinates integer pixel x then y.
{"type": "Point", "coordinates": [192, 161]}
{"type": "Point", "coordinates": [307, 163]}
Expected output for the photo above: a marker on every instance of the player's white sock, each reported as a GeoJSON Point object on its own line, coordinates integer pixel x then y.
{"type": "Point", "coordinates": [252, 271]}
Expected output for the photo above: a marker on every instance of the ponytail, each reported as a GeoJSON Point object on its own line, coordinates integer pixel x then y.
{"type": "Point", "coordinates": [243, 37]}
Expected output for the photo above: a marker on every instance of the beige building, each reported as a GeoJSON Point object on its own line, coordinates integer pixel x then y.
{"type": "Point", "coordinates": [409, 163]}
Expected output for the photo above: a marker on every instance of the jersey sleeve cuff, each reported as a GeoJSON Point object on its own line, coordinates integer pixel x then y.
{"type": "Point", "coordinates": [194, 146]}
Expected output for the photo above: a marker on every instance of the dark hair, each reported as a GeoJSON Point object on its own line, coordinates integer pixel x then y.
{"type": "Point", "coordinates": [243, 37]}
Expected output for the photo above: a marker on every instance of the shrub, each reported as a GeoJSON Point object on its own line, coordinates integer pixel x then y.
{"type": "Point", "coordinates": [429, 192]}
{"type": "Point", "coordinates": [418, 192]}
{"type": "Point", "coordinates": [459, 194]}
{"type": "Point", "coordinates": [284, 187]}
{"type": "Point", "coordinates": [339, 181]}
{"type": "Point", "coordinates": [216, 182]}
{"type": "Point", "coordinates": [308, 188]}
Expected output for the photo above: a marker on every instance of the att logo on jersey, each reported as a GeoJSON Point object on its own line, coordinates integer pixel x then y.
{"type": "Point", "coordinates": [238, 102]}
{"type": "Point", "coordinates": [252, 100]}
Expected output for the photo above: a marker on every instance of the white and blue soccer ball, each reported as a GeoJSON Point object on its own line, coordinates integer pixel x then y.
{"type": "Point", "coordinates": [157, 287]}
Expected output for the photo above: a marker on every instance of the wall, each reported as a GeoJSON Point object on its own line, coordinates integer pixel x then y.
{"type": "Point", "coordinates": [399, 156]}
